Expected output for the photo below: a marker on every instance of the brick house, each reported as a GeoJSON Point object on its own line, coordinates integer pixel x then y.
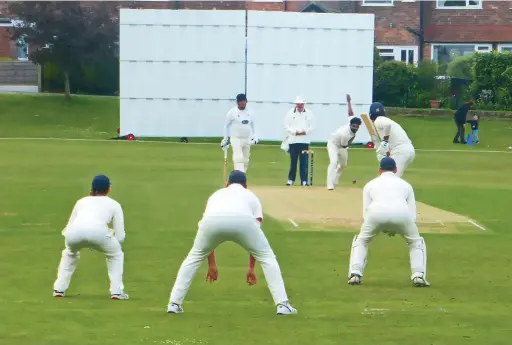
{"type": "Point", "coordinates": [405, 30]}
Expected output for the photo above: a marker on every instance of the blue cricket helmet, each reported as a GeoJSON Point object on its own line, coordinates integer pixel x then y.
{"type": "Point", "coordinates": [376, 110]}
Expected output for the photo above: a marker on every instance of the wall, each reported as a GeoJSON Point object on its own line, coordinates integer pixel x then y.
{"type": "Point", "coordinates": [18, 73]}
{"type": "Point", "coordinates": [492, 23]}
{"type": "Point", "coordinates": [400, 15]}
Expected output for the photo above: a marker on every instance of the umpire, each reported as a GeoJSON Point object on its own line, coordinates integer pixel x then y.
{"type": "Point", "coordinates": [460, 120]}
{"type": "Point", "coordinates": [299, 123]}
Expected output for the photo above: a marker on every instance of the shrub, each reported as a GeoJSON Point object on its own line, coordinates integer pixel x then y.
{"type": "Point", "coordinates": [392, 84]}
{"type": "Point", "coordinates": [461, 67]}
{"type": "Point", "coordinates": [492, 85]}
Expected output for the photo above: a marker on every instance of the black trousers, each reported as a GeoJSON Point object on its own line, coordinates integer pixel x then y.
{"type": "Point", "coordinates": [460, 132]}
{"type": "Point", "coordinates": [296, 153]}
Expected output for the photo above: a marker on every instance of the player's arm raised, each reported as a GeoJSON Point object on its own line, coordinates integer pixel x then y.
{"type": "Point", "coordinates": [350, 111]}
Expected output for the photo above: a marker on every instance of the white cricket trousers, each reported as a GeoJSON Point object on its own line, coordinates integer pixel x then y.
{"type": "Point", "coordinates": [338, 160]}
{"type": "Point", "coordinates": [403, 156]}
{"type": "Point", "coordinates": [393, 217]}
{"type": "Point", "coordinates": [241, 153]}
{"type": "Point", "coordinates": [97, 239]}
{"type": "Point", "coordinates": [243, 230]}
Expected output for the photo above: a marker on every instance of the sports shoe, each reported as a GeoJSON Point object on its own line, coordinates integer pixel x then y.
{"type": "Point", "coordinates": [355, 279]}
{"type": "Point", "coordinates": [420, 282]}
{"type": "Point", "coordinates": [58, 293]}
{"type": "Point", "coordinates": [304, 184]}
{"type": "Point", "coordinates": [119, 296]}
{"type": "Point", "coordinates": [290, 183]}
{"type": "Point", "coordinates": [174, 308]}
{"type": "Point", "coordinates": [285, 308]}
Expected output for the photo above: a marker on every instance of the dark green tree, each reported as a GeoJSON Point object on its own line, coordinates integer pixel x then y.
{"type": "Point", "coordinates": [67, 33]}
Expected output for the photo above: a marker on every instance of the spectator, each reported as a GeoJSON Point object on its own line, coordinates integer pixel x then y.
{"type": "Point", "coordinates": [473, 121]}
{"type": "Point", "coordinates": [460, 120]}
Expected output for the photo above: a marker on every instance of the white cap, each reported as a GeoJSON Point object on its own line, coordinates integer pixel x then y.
{"type": "Point", "coordinates": [299, 100]}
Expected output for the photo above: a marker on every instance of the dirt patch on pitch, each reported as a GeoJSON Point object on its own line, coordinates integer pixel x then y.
{"type": "Point", "coordinates": [316, 208]}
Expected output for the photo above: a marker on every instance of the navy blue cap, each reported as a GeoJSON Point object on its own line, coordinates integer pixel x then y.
{"type": "Point", "coordinates": [388, 164]}
{"type": "Point", "coordinates": [237, 176]}
{"type": "Point", "coordinates": [355, 120]}
{"type": "Point", "coordinates": [100, 183]}
{"type": "Point", "coordinates": [241, 97]}
{"type": "Point", "coordinates": [376, 110]}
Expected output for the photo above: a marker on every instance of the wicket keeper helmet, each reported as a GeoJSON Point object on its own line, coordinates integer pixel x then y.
{"type": "Point", "coordinates": [241, 97]}
{"type": "Point", "coordinates": [376, 110]}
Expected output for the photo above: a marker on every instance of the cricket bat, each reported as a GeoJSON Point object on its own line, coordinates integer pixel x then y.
{"type": "Point", "coordinates": [374, 135]}
{"type": "Point", "coordinates": [225, 174]}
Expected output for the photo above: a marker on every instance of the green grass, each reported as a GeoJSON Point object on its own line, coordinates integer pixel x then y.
{"type": "Point", "coordinates": [163, 189]}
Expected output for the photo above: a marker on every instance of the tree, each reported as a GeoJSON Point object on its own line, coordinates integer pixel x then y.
{"type": "Point", "coordinates": [66, 33]}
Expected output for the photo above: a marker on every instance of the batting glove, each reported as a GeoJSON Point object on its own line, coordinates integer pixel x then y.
{"type": "Point", "coordinates": [383, 148]}
{"type": "Point", "coordinates": [255, 140]}
{"type": "Point", "coordinates": [224, 142]}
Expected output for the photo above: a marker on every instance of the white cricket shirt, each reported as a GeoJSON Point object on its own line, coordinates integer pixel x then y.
{"type": "Point", "coordinates": [397, 136]}
{"type": "Point", "coordinates": [299, 121]}
{"type": "Point", "coordinates": [234, 200]}
{"type": "Point", "coordinates": [239, 124]}
{"type": "Point", "coordinates": [96, 212]}
{"type": "Point", "coordinates": [389, 189]}
{"type": "Point", "coordinates": [342, 136]}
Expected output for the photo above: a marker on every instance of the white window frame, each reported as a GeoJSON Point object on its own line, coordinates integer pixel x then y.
{"type": "Point", "coordinates": [397, 52]}
{"type": "Point", "coordinates": [467, 7]}
{"type": "Point", "coordinates": [487, 46]}
{"type": "Point", "coordinates": [501, 46]}
{"type": "Point", "coordinates": [388, 4]}
{"type": "Point", "coordinates": [17, 52]}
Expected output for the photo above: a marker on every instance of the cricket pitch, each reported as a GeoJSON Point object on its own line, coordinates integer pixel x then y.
{"type": "Point", "coordinates": [316, 208]}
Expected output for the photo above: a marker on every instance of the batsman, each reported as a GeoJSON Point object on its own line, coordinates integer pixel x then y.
{"type": "Point", "coordinates": [395, 141]}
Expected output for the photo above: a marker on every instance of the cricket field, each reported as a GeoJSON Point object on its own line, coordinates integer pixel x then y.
{"type": "Point", "coordinates": [464, 196]}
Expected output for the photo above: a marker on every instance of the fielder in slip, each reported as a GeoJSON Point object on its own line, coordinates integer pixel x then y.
{"type": "Point", "coordinates": [232, 214]}
{"type": "Point", "coordinates": [239, 132]}
{"type": "Point", "coordinates": [337, 147]}
{"type": "Point", "coordinates": [389, 206]}
{"type": "Point", "coordinates": [88, 228]}
{"type": "Point", "coordinates": [395, 142]}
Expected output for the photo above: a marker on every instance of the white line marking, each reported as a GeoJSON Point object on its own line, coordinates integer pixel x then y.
{"type": "Point", "coordinates": [293, 223]}
{"type": "Point", "coordinates": [271, 145]}
{"type": "Point", "coordinates": [475, 224]}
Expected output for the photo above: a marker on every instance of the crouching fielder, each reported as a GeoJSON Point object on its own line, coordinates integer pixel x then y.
{"type": "Point", "coordinates": [337, 147]}
{"type": "Point", "coordinates": [232, 214]}
{"type": "Point", "coordinates": [395, 141]}
{"type": "Point", "coordinates": [239, 132]}
{"type": "Point", "coordinates": [88, 228]}
{"type": "Point", "coordinates": [389, 206]}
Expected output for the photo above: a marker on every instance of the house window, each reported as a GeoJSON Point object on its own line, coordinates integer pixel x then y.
{"type": "Point", "coordinates": [407, 54]}
{"type": "Point", "coordinates": [444, 53]}
{"type": "Point", "coordinates": [502, 48]}
{"type": "Point", "coordinates": [22, 49]}
{"type": "Point", "coordinates": [459, 4]}
{"type": "Point", "coordinates": [377, 2]}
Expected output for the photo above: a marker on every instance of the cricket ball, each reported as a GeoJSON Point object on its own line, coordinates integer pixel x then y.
{"type": "Point", "coordinates": [353, 181]}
